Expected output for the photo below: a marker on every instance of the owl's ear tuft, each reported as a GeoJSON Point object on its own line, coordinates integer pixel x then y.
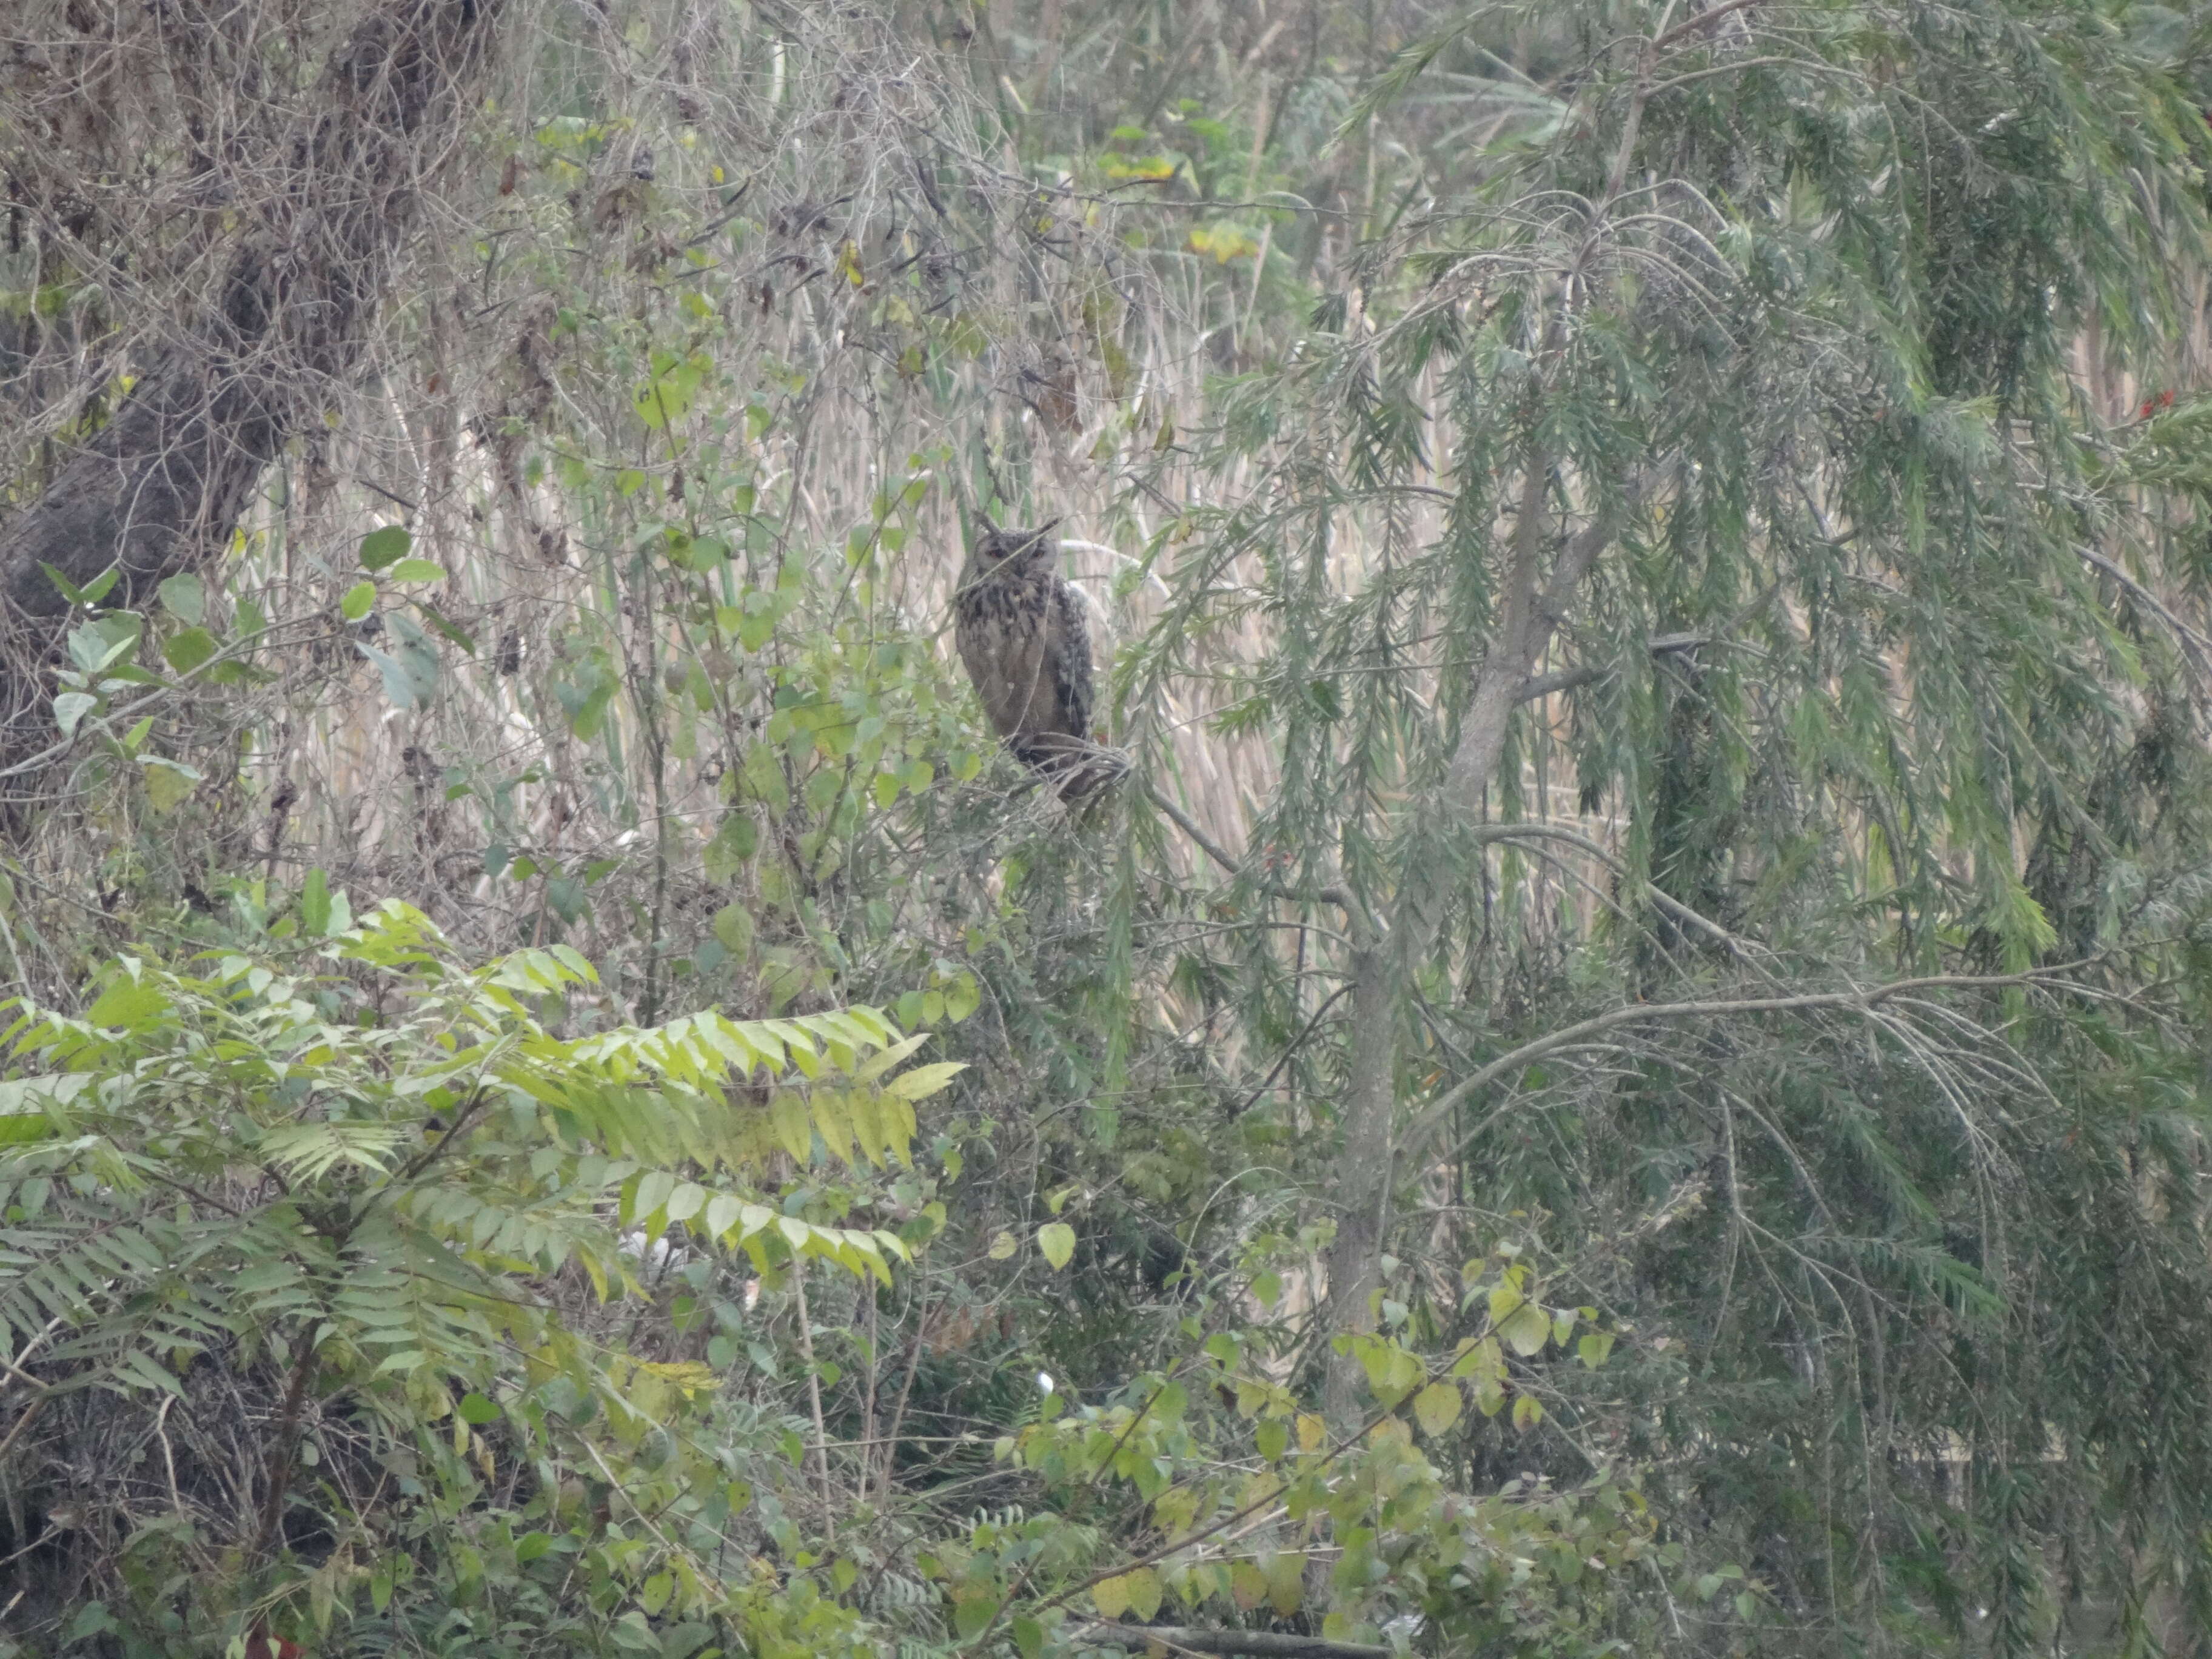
{"type": "Point", "coordinates": [984, 519]}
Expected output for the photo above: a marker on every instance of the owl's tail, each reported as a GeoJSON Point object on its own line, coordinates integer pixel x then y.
{"type": "Point", "coordinates": [1077, 770]}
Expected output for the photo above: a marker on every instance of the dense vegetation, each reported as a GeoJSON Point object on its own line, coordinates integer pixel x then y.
{"type": "Point", "coordinates": [1625, 1072]}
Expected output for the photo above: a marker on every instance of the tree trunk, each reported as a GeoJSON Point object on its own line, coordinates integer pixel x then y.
{"type": "Point", "coordinates": [159, 488]}
{"type": "Point", "coordinates": [1363, 1179]}
{"type": "Point", "coordinates": [1534, 607]}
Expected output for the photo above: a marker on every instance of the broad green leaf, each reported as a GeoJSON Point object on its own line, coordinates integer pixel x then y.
{"type": "Point", "coordinates": [1286, 1581]}
{"type": "Point", "coordinates": [72, 707]}
{"type": "Point", "coordinates": [686, 1201]}
{"type": "Point", "coordinates": [973, 1613]}
{"type": "Point", "coordinates": [169, 783]}
{"type": "Point", "coordinates": [360, 600]}
{"type": "Point", "coordinates": [415, 570]}
{"type": "Point", "coordinates": [1056, 1239]}
{"type": "Point", "coordinates": [190, 649]}
{"type": "Point", "coordinates": [384, 547]}
{"type": "Point", "coordinates": [1526, 1329]}
{"type": "Point", "coordinates": [129, 1003]}
{"type": "Point", "coordinates": [184, 596]}
{"type": "Point", "coordinates": [733, 927]}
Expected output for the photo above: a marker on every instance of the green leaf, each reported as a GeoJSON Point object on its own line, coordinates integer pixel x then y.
{"type": "Point", "coordinates": [415, 570]}
{"type": "Point", "coordinates": [1056, 1239]}
{"type": "Point", "coordinates": [477, 1409]}
{"type": "Point", "coordinates": [384, 547]}
{"type": "Point", "coordinates": [1286, 1583]}
{"type": "Point", "coordinates": [168, 783]}
{"type": "Point", "coordinates": [67, 589]}
{"type": "Point", "coordinates": [410, 669]}
{"type": "Point", "coordinates": [972, 1614]}
{"type": "Point", "coordinates": [106, 639]}
{"type": "Point", "coordinates": [686, 1201]}
{"type": "Point", "coordinates": [733, 926]}
{"type": "Point", "coordinates": [1028, 1636]}
{"type": "Point", "coordinates": [359, 600]}
{"type": "Point", "coordinates": [315, 904]}
{"type": "Point", "coordinates": [1526, 1329]}
{"type": "Point", "coordinates": [190, 649]}
{"type": "Point", "coordinates": [72, 707]}
{"type": "Point", "coordinates": [184, 596]}
{"type": "Point", "coordinates": [131, 1004]}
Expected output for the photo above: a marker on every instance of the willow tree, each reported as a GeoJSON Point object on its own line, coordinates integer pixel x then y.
{"type": "Point", "coordinates": [1716, 593]}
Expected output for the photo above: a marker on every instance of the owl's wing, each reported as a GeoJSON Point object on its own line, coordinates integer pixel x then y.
{"type": "Point", "coordinates": [1068, 659]}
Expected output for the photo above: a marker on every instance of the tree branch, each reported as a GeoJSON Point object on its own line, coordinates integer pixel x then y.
{"type": "Point", "coordinates": [1569, 679]}
{"type": "Point", "coordinates": [1339, 897]}
{"type": "Point", "coordinates": [1441, 1108]}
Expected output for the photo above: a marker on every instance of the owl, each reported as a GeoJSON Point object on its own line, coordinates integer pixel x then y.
{"type": "Point", "coordinates": [1021, 633]}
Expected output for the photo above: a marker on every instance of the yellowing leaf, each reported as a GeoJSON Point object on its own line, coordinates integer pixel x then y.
{"type": "Point", "coordinates": [1143, 1590]}
{"type": "Point", "coordinates": [169, 785]}
{"type": "Point", "coordinates": [1437, 1407]}
{"type": "Point", "coordinates": [829, 1118]}
{"type": "Point", "coordinates": [1003, 1246]}
{"type": "Point", "coordinates": [1527, 1413]}
{"type": "Point", "coordinates": [1112, 1597]}
{"type": "Point", "coordinates": [1248, 1585]}
{"type": "Point", "coordinates": [1057, 1240]}
{"type": "Point", "coordinates": [924, 1081]}
{"type": "Point", "coordinates": [787, 1111]}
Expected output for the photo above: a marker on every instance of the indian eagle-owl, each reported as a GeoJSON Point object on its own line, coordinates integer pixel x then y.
{"type": "Point", "coordinates": [1021, 633]}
